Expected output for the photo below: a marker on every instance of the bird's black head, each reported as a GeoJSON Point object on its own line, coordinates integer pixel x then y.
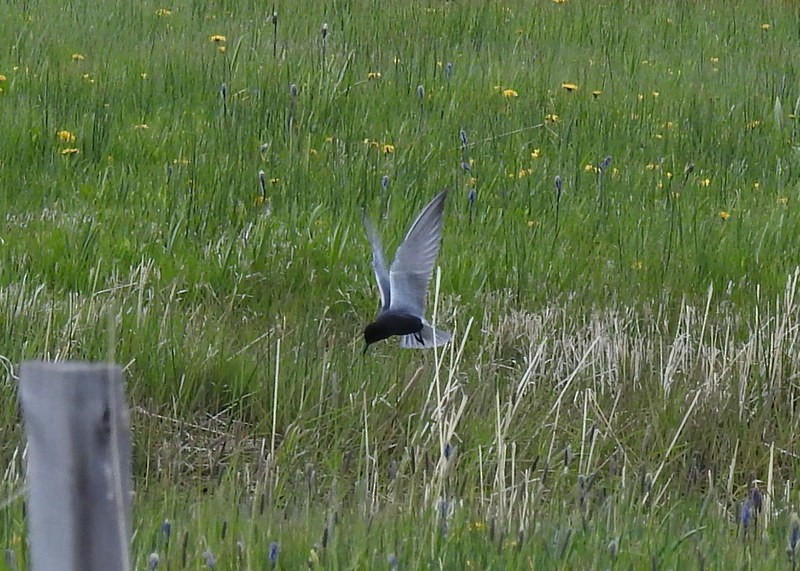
{"type": "Point", "coordinates": [374, 332]}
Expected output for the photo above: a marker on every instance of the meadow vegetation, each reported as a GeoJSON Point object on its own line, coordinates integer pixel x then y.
{"type": "Point", "coordinates": [182, 187]}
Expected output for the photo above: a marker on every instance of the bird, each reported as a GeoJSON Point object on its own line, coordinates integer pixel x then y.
{"type": "Point", "coordinates": [404, 285]}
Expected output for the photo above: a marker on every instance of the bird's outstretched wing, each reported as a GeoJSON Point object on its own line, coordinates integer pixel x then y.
{"type": "Point", "coordinates": [379, 264]}
{"type": "Point", "coordinates": [413, 264]}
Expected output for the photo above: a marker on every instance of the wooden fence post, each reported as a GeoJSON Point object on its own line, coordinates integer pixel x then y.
{"type": "Point", "coordinates": [79, 466]}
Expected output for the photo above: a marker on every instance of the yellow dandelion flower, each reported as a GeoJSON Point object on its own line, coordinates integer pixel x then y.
{"type": "Point", "coordinates": [676, 195]}
{"type": "Point", "coordinates": [3, 77]}
{"type": "Point", "coordinates": [783, 200]}
{"type": "Point", "coordinates": [756, 185]}
{"type": "Point", "coordinates": [714, 60]}
{"type": "Point", "coordinates": [656, 94]}
{"type": "Point", "coordinates": [143, 75]}
{"type": "Point", "coordinates": [66, 136]}
{"type": "Point", "coordinates": [77, 57]}
{"type": "Point", "coordinates": [596, 93]}
{"type": "Point", "coordinates": [70, 151]}
{"type": "Point", "coordinates": [668, 125]}
{"type": "Point", "coordinates": [569, 87]}
{"type": "Point", "coordinates": [374, 75]}
{"type": "Point", "coordinates": [552, 118]}
{"type": "Point", "coordinates": [531, 223]}
{"type": "Point", "coordinates": [705, 182]}
{"type": "Point", "coordinates": [510, 93]}
{"type": "Point", "coordinates": [312, 152]}
{"type": "Point", "coordinates": [473, 181]}
{"type": "Point", "coordinates": [559, 1]}
{"type": "Point", "coordinates": [724, 215]}
{"type": "Point", "coordinates": [274, 181]}
{"type": "Point", "coordinates": [652, 166]}
{"type": "Point", "coordinates": [180, 162]}
{"type": "Point", "coordinates": [535, 154]}
{"type": "Point", "coordinates": [669, 174]}
{"type": "Point", "coordinates": [659, 185]}
{"type": "Point", "coordinates": [161, 12]}
{"type": "Point", "coordinates": [753, 125]}
{"type": "Point", "coordinates": [329, 139]}
{"type": "Point", "coordinates": [141, 127]}
{"type": "Point", "coordinates": [396, 60]}
{"type": "Point", "coordinates": [637, 265]}
{"type": "Point", "coordinates": [222, 49]}
{"type": "Point", "coordinates": [765, 27]}
{"type": "Point", "coordinates": [259, 201]}
{"type": "Point", "coordinates": [218, 38]}
{"type": "Point", "coordinates": [387, 149]}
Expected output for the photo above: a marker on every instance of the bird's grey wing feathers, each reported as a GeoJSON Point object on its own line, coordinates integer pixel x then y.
{"type": "Point", "coordinates": [379, 264]}
{"type": "Point", "coordinates": [413, 264]}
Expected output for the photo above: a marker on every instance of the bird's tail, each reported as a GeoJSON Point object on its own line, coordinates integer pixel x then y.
{"type": "Point", "coordinates": [430, 338]}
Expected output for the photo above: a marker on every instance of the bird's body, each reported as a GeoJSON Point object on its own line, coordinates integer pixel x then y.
{"type": "Point", "coordinates": [404, 285]}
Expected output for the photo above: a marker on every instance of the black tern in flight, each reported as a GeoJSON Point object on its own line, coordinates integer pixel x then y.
{"type": "Point", "coordinates": [404, 284]}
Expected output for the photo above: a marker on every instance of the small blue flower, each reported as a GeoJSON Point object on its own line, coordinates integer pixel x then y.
{"type": "Point", "coordinates": [211, 561]}
{"type": "Point", "coordinates": [166, 528]}
{"type": "Point", "coordinates": [746, 517]}
{"type": "Point", "coordinates": [273, 554]}
{"type": "Point", "coordinates": [462, 134]}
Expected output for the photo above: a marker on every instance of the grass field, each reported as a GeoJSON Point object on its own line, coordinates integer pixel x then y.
{"type": "Point", "coordinates": [622, 389]}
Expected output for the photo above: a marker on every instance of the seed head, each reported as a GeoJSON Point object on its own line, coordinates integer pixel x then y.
{"type": "Point", "coordinates": [325, 31]}
{"type": "Point", "coordinates": [421, 92]}
{"type": "Point", "coordinates": [293, 90]}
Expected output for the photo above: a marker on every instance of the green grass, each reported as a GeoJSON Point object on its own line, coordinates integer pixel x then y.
{"type": "Point", "coordinates": [625, 361]}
